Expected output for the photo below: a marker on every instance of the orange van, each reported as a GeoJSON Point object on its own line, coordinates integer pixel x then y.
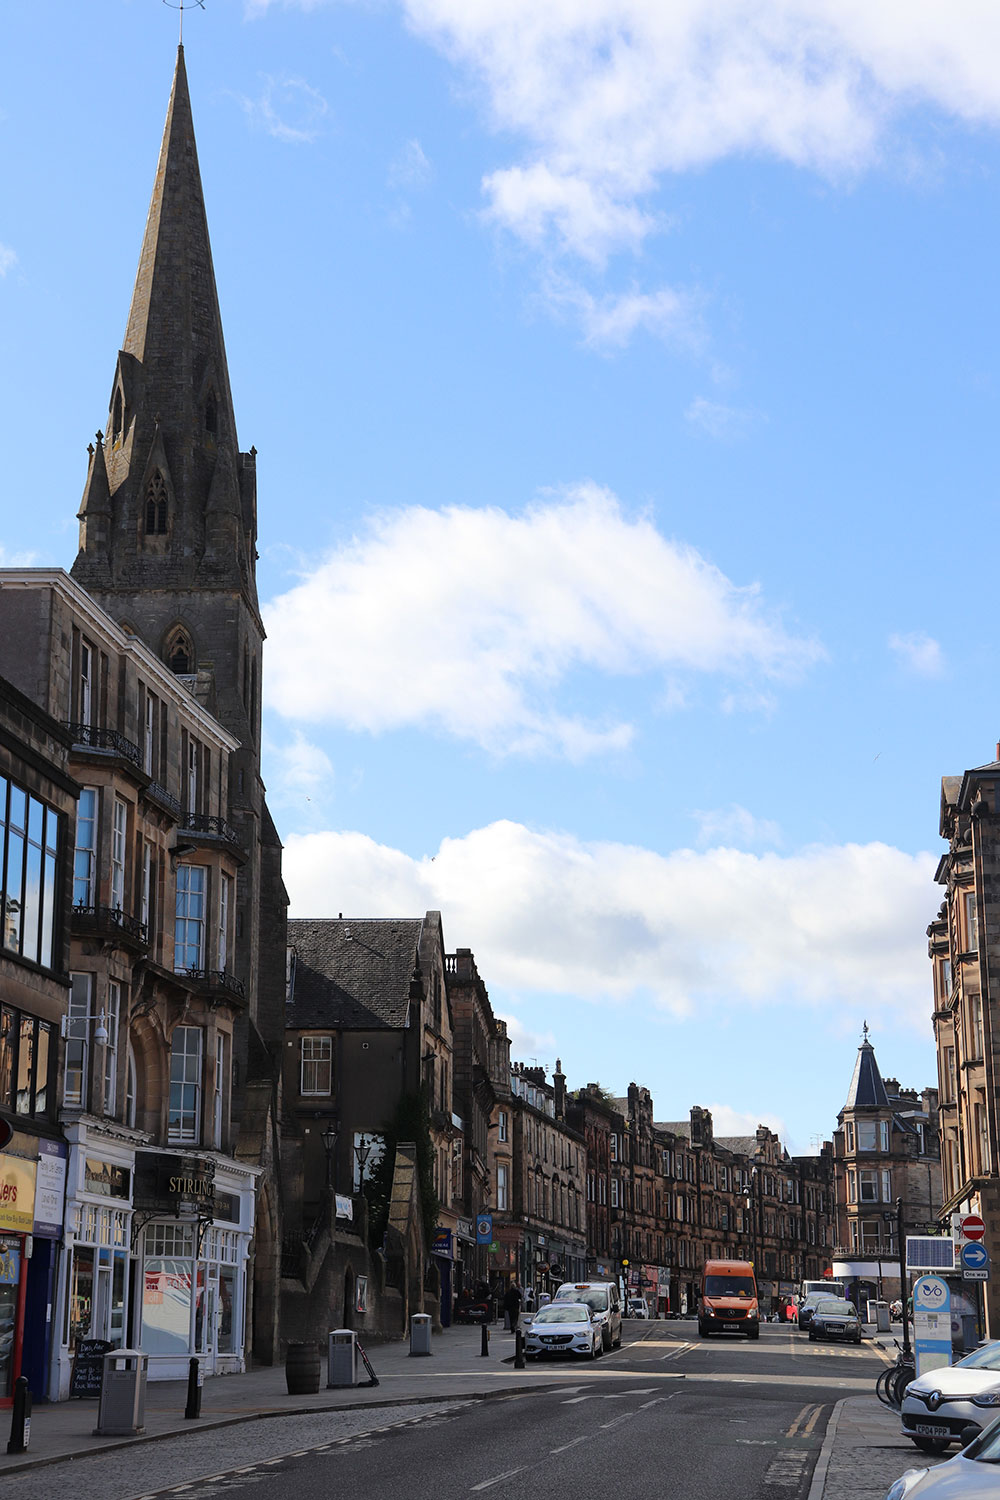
{"type": "Point", "coordinates": [729, 1299]}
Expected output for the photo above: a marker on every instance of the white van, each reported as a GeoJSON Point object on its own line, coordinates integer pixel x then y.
{"type": "Point", "coordinates": [604, 1299]}
{"type": "Point", "coordinates": [829, 1287]}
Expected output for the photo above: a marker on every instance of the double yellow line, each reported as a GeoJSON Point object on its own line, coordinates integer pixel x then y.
{"type": "Point", "coordinates": [804, 1422]}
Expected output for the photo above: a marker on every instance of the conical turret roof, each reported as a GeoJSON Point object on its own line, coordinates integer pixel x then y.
{"type": "Point", "coordinates": [867, 1091]}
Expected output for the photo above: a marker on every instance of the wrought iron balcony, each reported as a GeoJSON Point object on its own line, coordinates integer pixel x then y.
{"type": "Point", "coordinates": [111, 922]}
{"type": "Point", "coordinates": [218, 982]}
{"type": "Point", "coordinates": [206, 824]}
{"type": "Point", "coordinates": [159, 794]}
{"type": "Point", "coordinates": [104, 742]}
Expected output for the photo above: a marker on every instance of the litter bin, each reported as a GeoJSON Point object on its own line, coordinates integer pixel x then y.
{"type": "Point", "coordinates": [342, 1357]}
{"type": "Point", "coordinates": [122, 1412]}
{"type": "Point", "coordinates": [878, 1313]}
{"type": "Point", "coordinates": [420, 1333]}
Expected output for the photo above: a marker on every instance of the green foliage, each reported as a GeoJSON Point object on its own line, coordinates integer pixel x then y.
{"type": "Point", "coordinates": [411, 1122]}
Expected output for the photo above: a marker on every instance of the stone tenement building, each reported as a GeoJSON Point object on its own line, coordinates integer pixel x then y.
{"type": "Point", "coordinates": [965, 955]}
{"type": "Point", "coordinates": [886, 1148]}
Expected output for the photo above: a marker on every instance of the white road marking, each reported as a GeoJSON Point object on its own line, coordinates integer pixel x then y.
{"type": "Point", "coordinates": [497, 1479]}
{"type": "Point", "coordinates": [573, 1444]}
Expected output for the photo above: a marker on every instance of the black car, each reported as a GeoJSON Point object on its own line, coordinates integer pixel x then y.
{"type": "Point", "coordinates": [835, 1318]}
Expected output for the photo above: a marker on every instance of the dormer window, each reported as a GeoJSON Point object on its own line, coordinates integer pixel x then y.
{"type": "Point", "coordinates": [156, 506]}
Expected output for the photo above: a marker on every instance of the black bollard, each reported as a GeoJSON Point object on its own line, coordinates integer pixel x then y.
{"type": "Point", "coordinates": [20, 1422]}
{"type": "Point", "coordinates": [485, 1350]}
{"type": "Point", "coordinates": [519, 1350]}
{"type": "Point", "coordinates": [193, 1408]}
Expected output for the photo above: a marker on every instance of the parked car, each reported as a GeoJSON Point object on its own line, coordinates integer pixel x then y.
{"type": "Point", "coordinates": [638, 1307]}
{"type": "Point", "coordinates": [970, 1475]}
{"type": "Point", "coordinates": [603, 1298]}
{"type": "Point", "coordinates": [940, 1406]}
{"type": "Point", "coordinates": [835, 1318]}
{"type": "Point", "coordinates": [807, 1308]}
{"type": "Point", "coordinates": [563, 1329]}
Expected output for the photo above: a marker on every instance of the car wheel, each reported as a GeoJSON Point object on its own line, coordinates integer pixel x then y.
{"type": "Point", "coordinates": [812, 1337]}
{"type": "Point", "coordinates": [930, 1445]}
{"type": "Point", "coordinates": [606, 1337]}
{"type": "Point", "coordinates": [754, 1333]}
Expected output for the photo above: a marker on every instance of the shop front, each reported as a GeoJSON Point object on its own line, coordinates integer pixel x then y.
{"type": "Point", "coordinates": [444, 1259]}
{"type": "Point", "coordinates": [194, 1229]}
{"type": "Point", "coordinates": [17, 1206]}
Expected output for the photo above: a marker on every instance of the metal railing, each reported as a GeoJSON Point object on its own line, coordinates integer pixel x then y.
{"type": "Point", "coordinates": [218, 979]}
{"type": "Point", "coordinates": [158, 793]}
{"type": "Point", "coordinates": [217, 828]}
{"type": "Point", "coordinates": [105, 741]}
{"type": "Point", "coordinates": [111, 921]}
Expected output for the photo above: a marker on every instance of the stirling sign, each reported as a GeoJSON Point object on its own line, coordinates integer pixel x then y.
{"type": "Point", "coordinates": [174, 1184]}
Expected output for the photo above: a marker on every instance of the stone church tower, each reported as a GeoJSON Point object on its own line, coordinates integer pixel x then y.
{"type": "Point", "coordinates": [168, 527]}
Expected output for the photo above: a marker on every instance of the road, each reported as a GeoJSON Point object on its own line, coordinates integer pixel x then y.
{"type": "Point", "coordinates": [716, 1419]}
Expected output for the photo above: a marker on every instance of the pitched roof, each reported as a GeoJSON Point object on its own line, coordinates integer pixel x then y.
{"type": "Point", "coordinates": [352, 973]}
{"type": "Point", "coordinates": [673, 1127]}
{"type": "Point", "coordinates": [867, 1091]}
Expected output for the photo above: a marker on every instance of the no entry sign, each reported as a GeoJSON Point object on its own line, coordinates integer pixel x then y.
{"type": "Point", "coordinates": [972, 1227]}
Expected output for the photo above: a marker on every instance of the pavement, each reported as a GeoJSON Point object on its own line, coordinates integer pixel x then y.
{"type": "Point", "coordinates": [862, 1454]}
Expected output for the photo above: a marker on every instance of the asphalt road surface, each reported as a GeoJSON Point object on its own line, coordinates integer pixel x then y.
{"type": "Point", "coordinates": [669, 1414]}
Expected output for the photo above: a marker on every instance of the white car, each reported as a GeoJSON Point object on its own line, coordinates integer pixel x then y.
{"type": "Point", "coordinates": [638, 1307]}
{"type": "Point", "coordinates": [563, 1329]}
{"type": "Point", "coordinates": [939, 1406]}
{"type": "Point", "coordinates": [972, 1475]}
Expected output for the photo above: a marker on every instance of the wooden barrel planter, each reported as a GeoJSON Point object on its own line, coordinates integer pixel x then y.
{"type": "Point", "coordinates": [302, 1369]}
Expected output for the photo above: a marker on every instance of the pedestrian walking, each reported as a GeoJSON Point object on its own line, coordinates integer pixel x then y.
{"type": "Point", "coordinates": [512, 1306]}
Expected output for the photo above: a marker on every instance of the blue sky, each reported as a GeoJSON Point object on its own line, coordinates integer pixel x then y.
{"type": "Point", "coordinates": [623, 379]}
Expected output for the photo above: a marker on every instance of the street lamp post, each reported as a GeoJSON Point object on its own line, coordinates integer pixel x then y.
{"type": "Point", "coordinates": [330, 1143]}
{"type": "Point", "coordinates": [363, 1148]}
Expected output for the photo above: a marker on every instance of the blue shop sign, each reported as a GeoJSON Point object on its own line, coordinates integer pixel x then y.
{"type": "Point", "coordinates": [441, 1244]}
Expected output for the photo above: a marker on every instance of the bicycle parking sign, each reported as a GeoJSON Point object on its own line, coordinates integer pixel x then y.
{"type": "Point", "coordinates": [931, 1323]}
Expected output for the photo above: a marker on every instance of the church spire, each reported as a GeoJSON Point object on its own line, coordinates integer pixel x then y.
{"type": "Point", "coordinates": [172, 454]}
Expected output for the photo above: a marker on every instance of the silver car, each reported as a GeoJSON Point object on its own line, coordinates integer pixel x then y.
{"type": "Point", "coordinates": [835, 1318]}
{"type": "Point", "coordinates": [974, 1474]}
{"type": "Point", "coordinates": [563, 1329]}
{"type": "Point", "coordinates": [938, 1407]}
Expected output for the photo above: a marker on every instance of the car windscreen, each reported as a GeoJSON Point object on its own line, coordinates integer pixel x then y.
{"type": "Point", "coordinates": [835, 1307]}
{"type": "Point", "coordinates": [987, 1358]}
{"type": "Point", "coordinates": [729, 1286]}
{"type": "Point", "coordinates": [594, 1297]}
{"type": "Point", "coordinates": [562, 1313]}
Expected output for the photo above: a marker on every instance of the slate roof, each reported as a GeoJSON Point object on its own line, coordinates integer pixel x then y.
{"type": "Point", "coordinates": [352, 973]}
{"type": "Point", "coordinates": [742, 1145]}
{"type": "Point", "coordinates": [867, 1091]}
{"type": "Point", "coordinates": [674, 1127]}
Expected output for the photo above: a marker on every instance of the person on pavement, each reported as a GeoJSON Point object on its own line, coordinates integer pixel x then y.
{"type": "Point", "coordinates": [512, 1306]}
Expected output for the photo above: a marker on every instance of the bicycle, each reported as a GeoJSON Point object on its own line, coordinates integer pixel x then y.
{"type": "Point", "coordinates": [892, 1382]}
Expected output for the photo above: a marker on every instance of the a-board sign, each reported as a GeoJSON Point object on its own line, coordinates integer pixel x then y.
{"type": "Point", "coordinates": [88, 1368]}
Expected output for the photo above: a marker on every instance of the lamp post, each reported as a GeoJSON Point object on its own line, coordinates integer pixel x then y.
{"type": "Point", "coordinates": [330, 1143]}
{"type": "Point", "coordinates": [363, 1148]}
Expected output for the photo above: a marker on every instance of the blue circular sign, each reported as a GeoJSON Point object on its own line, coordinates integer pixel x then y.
{"type": "Point", "coordinates": [975, 1256]}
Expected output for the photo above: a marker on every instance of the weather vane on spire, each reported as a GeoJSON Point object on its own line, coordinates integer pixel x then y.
{"type": "Point", "coordinates": [182, 6]}
{"type": "Point", "coordinates": [864, 1030]}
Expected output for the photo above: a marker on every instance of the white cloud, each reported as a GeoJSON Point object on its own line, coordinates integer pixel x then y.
{"type": "Point", "coordinates": [919, 653]}
{"type": "Point", "coordinates": [725, 423]}
{"type": "Point", "coordinates": [548, 914]}
{"type": "Point", "coordinates": [8, 259]}
{"type": "Point", "coordinates": [609, 95]}
{"type": "Point", "coordinates": [300, 772]}
{"type": "Point", "coordinates": [470, 621]}
{"type": "Point", "coordinates": [287, 108]}
{"type": "Point", "coordinates": [735, 826]}
{"type": "Point", "coordinates": [527, 1045]}
{"type": "Point", "coordinates": [727, 1121]}
{"type": "Point", "coordinates": [609, 321]}
{"type": "Point", "coordinates": [410, 169]}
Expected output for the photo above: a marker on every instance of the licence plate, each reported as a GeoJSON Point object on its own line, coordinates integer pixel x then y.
{"type": "Point", "coordinates": [929, 1429]}
{"type": "Point", "coordinates": [726, 1327]}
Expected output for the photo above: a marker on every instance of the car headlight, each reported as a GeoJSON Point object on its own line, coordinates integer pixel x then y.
{"type": "Point", "coordinates": [904, 1484]}
{"type": "Point", "coordinates": [752, 1313]}
{"type": "Point", "coordinates": [987, 1398]}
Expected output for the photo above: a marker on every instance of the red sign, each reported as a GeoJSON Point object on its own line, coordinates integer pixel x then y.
{"type": "Point", "coordinates": [972, 1227]}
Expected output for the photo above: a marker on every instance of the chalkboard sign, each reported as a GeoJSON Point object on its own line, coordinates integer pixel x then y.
{"type": "Point", "coordinates": [88, 1368]}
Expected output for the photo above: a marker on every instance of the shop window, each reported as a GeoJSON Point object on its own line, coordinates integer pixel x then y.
{"type": "Point", "coordinates": [183, 1122]}
{"type": "Point", "coordinates": [189, 925]}
{"type": "Point", "coordinates": [317, 1065]}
